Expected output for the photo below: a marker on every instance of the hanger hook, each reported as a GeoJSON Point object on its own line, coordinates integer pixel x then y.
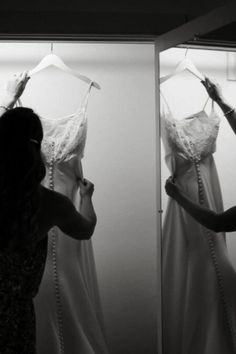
{"type": "Point", "coordinates": [51, 47]}
{"type": "Point", "coordinates": [186, 52]}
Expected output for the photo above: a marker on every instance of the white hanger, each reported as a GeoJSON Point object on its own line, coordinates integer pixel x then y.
{"type": "Point", "coordinates": [185, 64]}
{"type": "Point", "coordinates": [54, 60]}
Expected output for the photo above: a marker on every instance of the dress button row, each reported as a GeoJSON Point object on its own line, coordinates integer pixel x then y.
{"type": "Point", "coordinates": [211, 242]}
{"type": "Point", "coordinates": [51, 168]}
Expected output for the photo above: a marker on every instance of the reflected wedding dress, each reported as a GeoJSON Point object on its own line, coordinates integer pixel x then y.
{"type": "Point", "coordinates": [199, 283]}
{"type": "Point", "coordinates": [68, 310]}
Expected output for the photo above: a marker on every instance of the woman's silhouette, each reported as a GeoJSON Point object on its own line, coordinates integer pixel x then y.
{"type": "Point", "coordinates": [27, 212]}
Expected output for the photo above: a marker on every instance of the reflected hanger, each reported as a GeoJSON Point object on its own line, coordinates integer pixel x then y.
{"type": "Point", "coordinates": [185, 64]}
{"type": "Point", "coordinates": [54, 60]}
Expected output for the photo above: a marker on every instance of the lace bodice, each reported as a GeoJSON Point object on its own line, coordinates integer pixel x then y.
{"type": "Point", "coordinates": [67, 134]}
{"type": "Point", "coordinates": [65, 137]}
{"type": "Point", "coordinates": [193, 137]}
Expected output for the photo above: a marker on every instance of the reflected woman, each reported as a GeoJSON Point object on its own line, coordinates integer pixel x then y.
{"type": "Point", "coordinates": [199, 282]}
{"type": "Point", "coordinates": [210, 222]}
{"type": "Point", "coordinates": [28, 212]}
{"type": "Point", "coordinates": [224, 221]}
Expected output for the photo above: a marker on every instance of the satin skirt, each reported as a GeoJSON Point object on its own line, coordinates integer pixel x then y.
{"type": "Point", "coordinates": [199, 282]}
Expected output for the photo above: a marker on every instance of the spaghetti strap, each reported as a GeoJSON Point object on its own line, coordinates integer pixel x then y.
{"type": "Point", "coordinates": [84, 103]}
{"type": "Point", "coordinates": [19, 103]}
{"type": "Point", "coordinates": [212, 104]}
{"type": "Point", "coordinates": [205, 104]}
{"type": "Point", "coordinates": [165, 103]}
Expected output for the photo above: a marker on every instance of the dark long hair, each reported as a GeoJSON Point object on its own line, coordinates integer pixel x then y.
{"type": "Point", "coordinates": [21, 171]}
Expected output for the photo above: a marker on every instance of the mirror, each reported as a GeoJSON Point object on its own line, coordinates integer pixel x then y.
{"type": "Point", "coordinates": [198, 266]}
{"type": "Point", "coordinates": [99, 296]}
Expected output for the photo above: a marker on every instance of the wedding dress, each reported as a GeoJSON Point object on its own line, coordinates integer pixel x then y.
{"type": "Point", "coordinates": [68, 310]}
{"type": "Point", "coordinates": [199, 283]}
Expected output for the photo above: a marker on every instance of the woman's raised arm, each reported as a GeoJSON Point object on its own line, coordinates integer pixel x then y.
{"type": "Point", "coordinates": [14, 89]}
{"type": "Point", "coordinates": [218, 222]}
{"type": "Point", "coordinates": [215, 93]}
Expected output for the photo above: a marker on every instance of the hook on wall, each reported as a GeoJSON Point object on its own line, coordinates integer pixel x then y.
{"type": "Point", "coordinates": [51, 47]}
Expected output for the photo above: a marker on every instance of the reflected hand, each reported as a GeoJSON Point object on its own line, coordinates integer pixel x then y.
{"type": "Point", "coordinates": [213, 89]}
{"type": "Point", "coordinates": [171, 187]}
{"type": "Point", "coordinates": [86, 188]}
{"type": "Point", "coordinates": [16, 85]}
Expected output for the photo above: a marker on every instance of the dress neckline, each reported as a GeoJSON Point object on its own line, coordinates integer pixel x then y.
{"type": "Point", "coordinates": [195, 115]}
{"type": "Point", "coordinates": [56, 119]}
{"type": "Point", "coordinates": [192, 117]}
{"type": "Point", "coordinates": [189, 117]}
{"type": "Point", "coordinates": [82, 108]}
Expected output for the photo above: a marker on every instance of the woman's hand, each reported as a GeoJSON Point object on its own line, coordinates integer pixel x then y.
{"type": "Point", "coordinates": [86, 188]}
{"type": "Point", "coordinates": [213, 90]}
{"type": "Point", "coordinates": [16, 85]}
{"type": "Point", "coordinates": [172, 189]}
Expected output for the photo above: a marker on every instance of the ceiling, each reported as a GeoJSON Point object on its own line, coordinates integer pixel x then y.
{"type": "Point", "coordinates": [76, 18]}
{"type": "Point", "coordinates": [224, 36]}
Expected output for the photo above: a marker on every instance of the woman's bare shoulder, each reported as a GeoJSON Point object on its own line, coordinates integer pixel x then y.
{"type": "Point", "coordinates": [45, 193]}
{"type": "Point", "coordinates": [51, 198]}
{"type": "Point", "coordinates": [48, 210]}
{"type": "Point", "coordinates": [53, 205]}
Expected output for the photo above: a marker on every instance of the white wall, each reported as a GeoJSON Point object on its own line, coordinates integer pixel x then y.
{"type": "Point", "coordinates": [186, 95]}
{"type": "Point", "coordinates": [120, 160]}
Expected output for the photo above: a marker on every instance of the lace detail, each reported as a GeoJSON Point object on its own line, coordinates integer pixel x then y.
{"type": "Point", "coordinates": [193, 137]}
{"type": "Point", "coordinates": [68, 136]}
